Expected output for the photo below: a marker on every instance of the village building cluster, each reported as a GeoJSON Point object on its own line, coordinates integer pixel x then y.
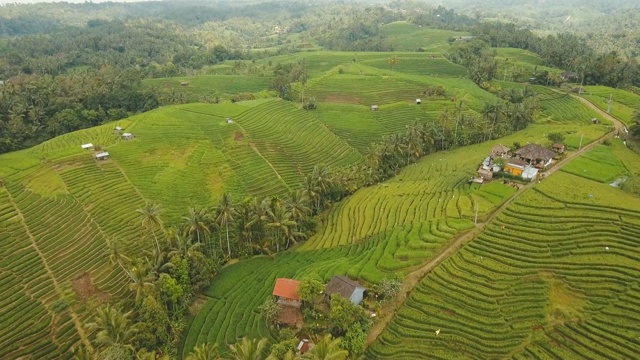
{"type": "Point", "coordinates": [289, 303]}
{"type": "Point", "coordinates": [525, 162]}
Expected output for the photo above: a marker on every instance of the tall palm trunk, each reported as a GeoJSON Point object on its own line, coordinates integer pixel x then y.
{"type": "Point", "coordinates": [228, 245]}
{"type": "Point", "coordinates": [156, 238]}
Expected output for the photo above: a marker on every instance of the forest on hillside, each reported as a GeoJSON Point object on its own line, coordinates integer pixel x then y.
{"type": "Point", "coordinates": [65, 66]}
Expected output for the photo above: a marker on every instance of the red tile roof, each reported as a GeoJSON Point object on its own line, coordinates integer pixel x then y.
{"type": "Point", "coordinates": [286, 288]}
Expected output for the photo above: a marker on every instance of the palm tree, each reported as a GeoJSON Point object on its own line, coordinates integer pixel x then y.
{"type": "Point", "coordinates": [249, 349]}
{"type": "Point", "coordinates": [258, 210]}
{"type": "Point", "coordinates": [328, 349]}
{"type": "Point", "coordinates": [114, 328]}
{"type": "Point", "coordinates": [182, 245]}
{"type": "Point", "coordinates": [204, 351]}
{"type": "Point", "coordinates": [150, 214]}
{"type": "Point", "coordinates": [197, 222]}
{"type": "Point", "coordinates": [226, 212]}
{"type": "Point", "coordinates": [311, 189]}
{"type": "Point", "coordinates": [297, 204]}
{"type": "Point", "coordinates": [280, 221]}
{"type": "Point", "coordinates": [459, 116]}
{"type": "Point", "coordinates": [393, 61]}
{"type": "Point", "coordinates": [141, 282]}
{"type": "Point", "coordinates": [373, 160]}
{"type": "Point", "coordinates": [117, 257]}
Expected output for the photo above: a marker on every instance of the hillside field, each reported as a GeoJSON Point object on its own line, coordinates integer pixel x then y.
{"type": "Point", "coordinates": [555, 275]}
{"type": "Point", "coordinates": [60, 209]}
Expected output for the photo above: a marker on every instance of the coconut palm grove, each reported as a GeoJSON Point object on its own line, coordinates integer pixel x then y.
{"type": "Point", "coordinates": [280, 180]}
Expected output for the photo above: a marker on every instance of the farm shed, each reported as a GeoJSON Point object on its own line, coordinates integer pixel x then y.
{"type": "Point", "coordinates": [184, 83]}
{"type": "Point", "coordinates": [537, 155]}
{"type": "Point", "coordinates": [127, 136]}
{"type": "Point", "coordinates": [346, 287]}
{"type": "Point", "coordinates": [418, 101]}
{"type": "Point", "coordinates": [102, 155]}
{"type": "Point", "coordinates": [374, 107]}
{"type": "Point", "coordinates": [86, 146]}
{"type": "Point", "coordinates": [515, 167]}
{"type": "Point", "coordinates": [118, 128]}
{"type": "Point", "coordinates": [229, 121]}
{"type": "Point", "coordinates": [595, 121]}
{"type": "Point", "coordinates": [558, 147]}
{"type": "Point", "coordinates": [286, 290]}
{"type": "Point", "coordinates": [500, 151]}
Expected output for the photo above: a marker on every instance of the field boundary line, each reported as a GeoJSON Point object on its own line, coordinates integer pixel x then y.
{"type": "Point", "coordinates": [255, 149]}
{"type": "Point", "coordinates": [74, 316]}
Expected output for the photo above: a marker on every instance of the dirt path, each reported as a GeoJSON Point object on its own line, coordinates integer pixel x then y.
{"type": "Point", "coordinates": [413, 278]}
{"type": "Point", "coordinates": [74, 317]}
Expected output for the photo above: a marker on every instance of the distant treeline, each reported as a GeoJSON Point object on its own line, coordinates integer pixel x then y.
{"type": "Point", "coordinates": [565, 51]}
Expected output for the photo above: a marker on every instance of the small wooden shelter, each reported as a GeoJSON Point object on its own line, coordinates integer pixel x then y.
{"type": "Point", "coordinates": [558, 147]}
{"type": "Point", "coordinates": [184, 83]}
{"type": "Point", "coordinates": [118, 128]}
{"type": "Point", "coordinates": [537, 155]}
{"type": "Point", "coordinates": [303, 346]}
{"type": "Point", "coordinates": [500, 151]}
{"type": "Point", "coordinates": [418, 101]}
{"type": "Point", "coordinates": [86, 146]}
{"type": "Point", "coordinates": [286, 291]}
{"type": "Point", "coordinates": [374, 107]}
{"type": "Point", "coordinates": [102, 155]}
{"type": "Point", "coordinates": [127, 136]}
{"type": "Point", "coordinates": [485, 174]}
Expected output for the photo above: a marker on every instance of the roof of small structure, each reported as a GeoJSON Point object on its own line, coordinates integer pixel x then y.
{"type": "Point", "coordinates": [286, 288]}
{"type": "Point", "coordinates": [127, 134]}
{"type": "Point", "coordinates": [86, 146]}
{"type": "Point", "coordinates": [118, 127]}
{"type": "Point", "coordinates": [485, 172]}
{"type": "Point", "coordinates": [102, 154]}
{"type": "Point", "coordinates": [535, 152]}
{"type": "Point", "coordinates": [342, 285]}
{"type": "Point", "coordinates": [289, 315]}
{"type": "Point", "coordinates": [500, 149]}
{"type": "Point", "coordinates": [558, 146]}
{"type": "Point", "coordinates": [517, 162]}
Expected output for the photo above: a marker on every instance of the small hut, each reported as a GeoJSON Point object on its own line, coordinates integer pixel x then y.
{"type": "Point", "coordinates": [374, 107]}
{"type": "Point", "coordinates": [500, 151]}
{"type": "Point", "coordinates": [118, 128]}
{"type": "Point", "coordinates": [87, 146]}
{"type": "Point", "coordinates": [229, 121]}
{"type": "Point", "coordinates": [418, 101]}
{"type": "Point", "coordinates": [102, 155]}
{"type": "Point", "coordinates": [127, 136]}
{"type": "Point", "coordinates": [184, 83]}
{"type": "Point", "coordinates": [558, 147]}
{"type": "Point", "coordinates": [595, 121]}
{"type": "Point", "coordinates": [485, 174]}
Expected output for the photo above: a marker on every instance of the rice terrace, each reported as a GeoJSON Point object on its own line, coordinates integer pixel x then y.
{"type": "Point", "coordinates": [299, 180]}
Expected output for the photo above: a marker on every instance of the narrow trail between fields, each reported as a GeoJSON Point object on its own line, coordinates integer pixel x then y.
{"type": "Point", "coordinates": [255, 149]}
{"type": "Point", "coordinates": [74, 317]}
{"type": "Point", "coordinates": [413, 278]}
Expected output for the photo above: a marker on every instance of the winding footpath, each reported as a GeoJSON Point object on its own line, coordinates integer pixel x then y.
{"type": "Point", "coordinates": [413, 278]}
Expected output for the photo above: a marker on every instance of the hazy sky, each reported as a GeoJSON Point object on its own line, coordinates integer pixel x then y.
{"type": "Point", "coordinates": [2, 2]}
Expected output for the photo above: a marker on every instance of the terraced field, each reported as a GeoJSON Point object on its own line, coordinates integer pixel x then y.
{"type": "Point", "coordinates": [54, 246]}
{"type": "Point", "coordinates": [623, 103]}
{"type": "Point", "coordinates": [221, 85]}
{"type": "Point", "coordinates": [555, 275]}
{"type": "Point", "coordinates": [394, 237]}
{"type": "Point", "coordinates": [408, 37]}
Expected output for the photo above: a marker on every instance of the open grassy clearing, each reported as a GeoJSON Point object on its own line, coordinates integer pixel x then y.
{"type": "Point", "coordinates": [601, 164]}
{"type": "Point", "coordinates": [539, 282]}
{"type": "Point", "coordinates": [408, 37]}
